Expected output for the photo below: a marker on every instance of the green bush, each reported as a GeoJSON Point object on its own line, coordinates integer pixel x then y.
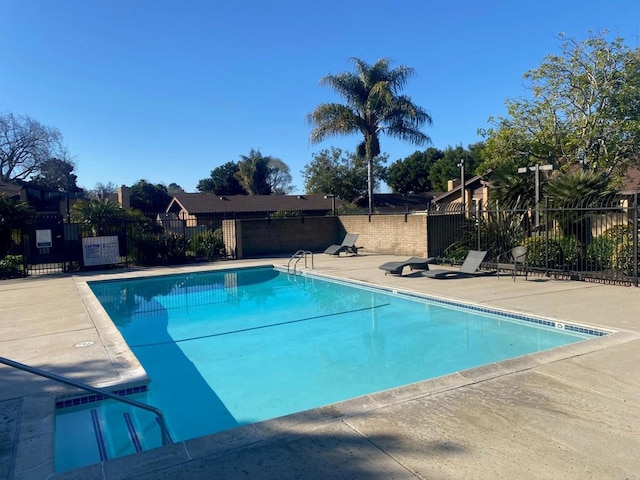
{"type": "Point", "coordinates": [570, 252]}
{"type": "Point", "coordinates": [621, 240]}
{"type": "Point", "coordinates": [144, 248]}
{"type": "Point", "coordinates": [11, 266]}
{"type": "Point", "coordinates": [600, 253]}
{"type": "Point", "coordinates": [148, 248]}
{"type": "Point", "coordinates": [536, 248]}
{"type": "Point", "coordinates": [208, 245]}
{"type": "Point", "coordinates": [173, 247]}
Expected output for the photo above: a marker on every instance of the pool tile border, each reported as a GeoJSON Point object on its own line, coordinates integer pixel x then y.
{"type": "Point", "coordinates": [571, 327]}
{"type": "Point", "coordinates": [93, 398]}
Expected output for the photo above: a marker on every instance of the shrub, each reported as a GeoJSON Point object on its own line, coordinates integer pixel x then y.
{"type": "Point", "coordinates": [570, 252]}
{"type": "Point", "coordinates": [620, 239]}
{"type": "Point", "coordinates": [536, 250]}
{"type": "Point", "coordinates": [600, 253]}
{"type": "Point", "coordinates": [144, 248]}
{"type": "Point", "coordinates": [173, 247]}
{"type": "Point", "coordinates": [11, 266]}
{"type": "Point", "coordinates": [208, 245]}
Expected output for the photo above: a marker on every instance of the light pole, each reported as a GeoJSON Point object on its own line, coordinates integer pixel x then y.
{"type": "Point", "coordinates": [333, 203]}
{"type": "Point", "coordinates": [462, 189]}
{"type": "Point", "coordinates": [536, 168]}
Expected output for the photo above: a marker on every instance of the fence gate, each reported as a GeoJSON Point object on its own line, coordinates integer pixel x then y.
{"type": "Point", "coordinates": [45, 249]}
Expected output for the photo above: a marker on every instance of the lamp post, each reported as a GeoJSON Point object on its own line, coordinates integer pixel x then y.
{"type": "Point", "coordinates": [536, 168]}
{"type": "Point", "coordinates": [462, 189]}
{"type": "Point", "coordinates": [333, 203]}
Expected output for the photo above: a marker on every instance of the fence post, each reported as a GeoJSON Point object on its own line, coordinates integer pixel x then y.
{"type": "Point", "coordinates": [478, 215]}
{"type": "Point", "coordinates": [635, 239]}
{"type": "Point", "coordinates": [546, 237]}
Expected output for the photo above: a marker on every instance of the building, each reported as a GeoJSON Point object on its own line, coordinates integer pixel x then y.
{"type": "Point", "coordinates": [197, 209]}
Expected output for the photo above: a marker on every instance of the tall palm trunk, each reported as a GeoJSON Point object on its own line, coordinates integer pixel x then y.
{"type": "Point", "coordinates": [370, 184]}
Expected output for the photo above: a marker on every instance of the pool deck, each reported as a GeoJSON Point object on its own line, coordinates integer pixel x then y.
{"type": "Point", "coordinates": [568, 413]}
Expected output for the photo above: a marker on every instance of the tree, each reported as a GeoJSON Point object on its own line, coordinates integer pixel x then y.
{"type": "Point", "coordinates": [222, 181]}
{"type": "Point", "coordinates": [56, 174]}
{"type": "Point", "coordinates": [584, 107]}
{"type": "Point", "coordinates": [253, 173]}
{"type": "Point", "coordinates": [373, 107]}
{"type": "Point", "coordinates": [13, 214]}
{"type": "Point", "coordinates": [103, 190]}
{"type": "Point", "coordinates": [98, 217]}
{"type": "Point", "coordinates": [148, 197]}
{"type": "Point", "coordinates": [446, 168]}
{"type": "Point", "coordinates": [279, 177]}
{"type": "Point", "coordinates": [25, 145]}
{"type": "Point", "coordinates": [174, 188]}
{"type": "Point", "coordinates": [512, 189]}
{"type": "Point", "coordinates": [411, 175]}
{"type": "Point", "coordinates": [331, 172]}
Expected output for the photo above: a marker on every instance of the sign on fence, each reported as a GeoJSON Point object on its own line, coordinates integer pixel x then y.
{"type": "Point", "coordinates": [100, 250]}
{"type": "Point", "coordinates": [43, 239]}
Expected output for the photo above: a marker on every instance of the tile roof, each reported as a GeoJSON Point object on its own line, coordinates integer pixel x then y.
{"type": "Point", "coordinates": [211, 203]}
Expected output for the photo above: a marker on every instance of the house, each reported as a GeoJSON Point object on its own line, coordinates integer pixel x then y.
{"type": "Point", "coordinates": [10, 190]}
{"type": "Point", "coordinates": [476, 191]}
{"type": "Point", "coordinates": [197, 209]}
{"type": "Point", "coordinates": [41, 199]}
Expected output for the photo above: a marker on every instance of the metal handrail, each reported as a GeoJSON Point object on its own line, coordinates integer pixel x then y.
{"type": "Point", "coordinates": [298, 255]}
{"type": "Point", "coordinates": [166, 439]}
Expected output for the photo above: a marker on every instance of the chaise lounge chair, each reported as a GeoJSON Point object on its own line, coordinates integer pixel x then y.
{"type": "Point", "coordinates": [469, 267]}
{"type": "Point", "coordinates": [415, 263]}
{"type": "Point", "coordinates": [348, 245]}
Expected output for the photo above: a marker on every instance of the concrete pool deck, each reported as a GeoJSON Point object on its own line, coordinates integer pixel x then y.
{"type": "Point", "coordinates": [571, 412]}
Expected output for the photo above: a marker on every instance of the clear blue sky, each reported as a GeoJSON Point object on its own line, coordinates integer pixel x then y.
{"type": "Point", "coordinates": [167, 91]}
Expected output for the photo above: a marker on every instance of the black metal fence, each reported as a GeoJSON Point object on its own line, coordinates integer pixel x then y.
{"type": "Point", "coordinates": [596, 239]}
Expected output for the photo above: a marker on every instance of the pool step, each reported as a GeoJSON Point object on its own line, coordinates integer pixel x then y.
{"type": "Point", "coordinates": [100, 432]}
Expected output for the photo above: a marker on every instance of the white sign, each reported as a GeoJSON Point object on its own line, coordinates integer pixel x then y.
{"type": "Point", "coordinates": [100, 250]}
{"type": "Point", "coordinates": [43, 238]}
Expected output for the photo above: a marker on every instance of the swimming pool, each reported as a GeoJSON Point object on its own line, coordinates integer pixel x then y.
{"type": "Point", "coordinates": [234, 347]}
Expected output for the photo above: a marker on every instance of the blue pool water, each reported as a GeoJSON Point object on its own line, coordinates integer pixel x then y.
{"type": "Point", "coordinates": [229, 348]}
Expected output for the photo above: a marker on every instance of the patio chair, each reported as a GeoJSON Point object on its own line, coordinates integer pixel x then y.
{"type": "Point", "coordinates": [469, 268]}
{"type": "Point", "coordinates": [511, 260]}
{"type": "Point", "coordinates": [348, 245]}
{"type": "Point", "coordinates": [414, 263]}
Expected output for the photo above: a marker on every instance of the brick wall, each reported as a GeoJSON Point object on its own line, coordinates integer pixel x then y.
{"type": "Point", "coordinates": [277, 236]}
{"type": "Point", "coordinates": [404, 235]}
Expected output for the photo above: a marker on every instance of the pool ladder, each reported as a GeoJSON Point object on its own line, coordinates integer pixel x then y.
{"type": "Point", "coordinates": [300, 254]}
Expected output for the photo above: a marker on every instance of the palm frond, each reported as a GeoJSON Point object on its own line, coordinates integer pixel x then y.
{"type": "Point", "coordinates": [332, 119]}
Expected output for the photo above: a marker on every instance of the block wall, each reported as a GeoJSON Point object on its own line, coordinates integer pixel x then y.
{"type": "Point", "coordinates": [404, 235]}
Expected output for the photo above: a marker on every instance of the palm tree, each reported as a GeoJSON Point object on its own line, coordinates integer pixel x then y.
{"type": "Point", "coordinates": [253, 173]}
{"type": "Point", "coordinates": [373, 106]}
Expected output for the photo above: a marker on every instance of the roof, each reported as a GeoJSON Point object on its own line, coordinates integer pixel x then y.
{"type": "Point", "coordinates": [195, 203]}
{"type": "Point", "coordinates": [10, 190]}
{"type": "Point", "coordinates": [455, 192]}
{"type": "Point", "coordinates": [419, 201]}
{"type": "Point", "coordinates": [631, 181]}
